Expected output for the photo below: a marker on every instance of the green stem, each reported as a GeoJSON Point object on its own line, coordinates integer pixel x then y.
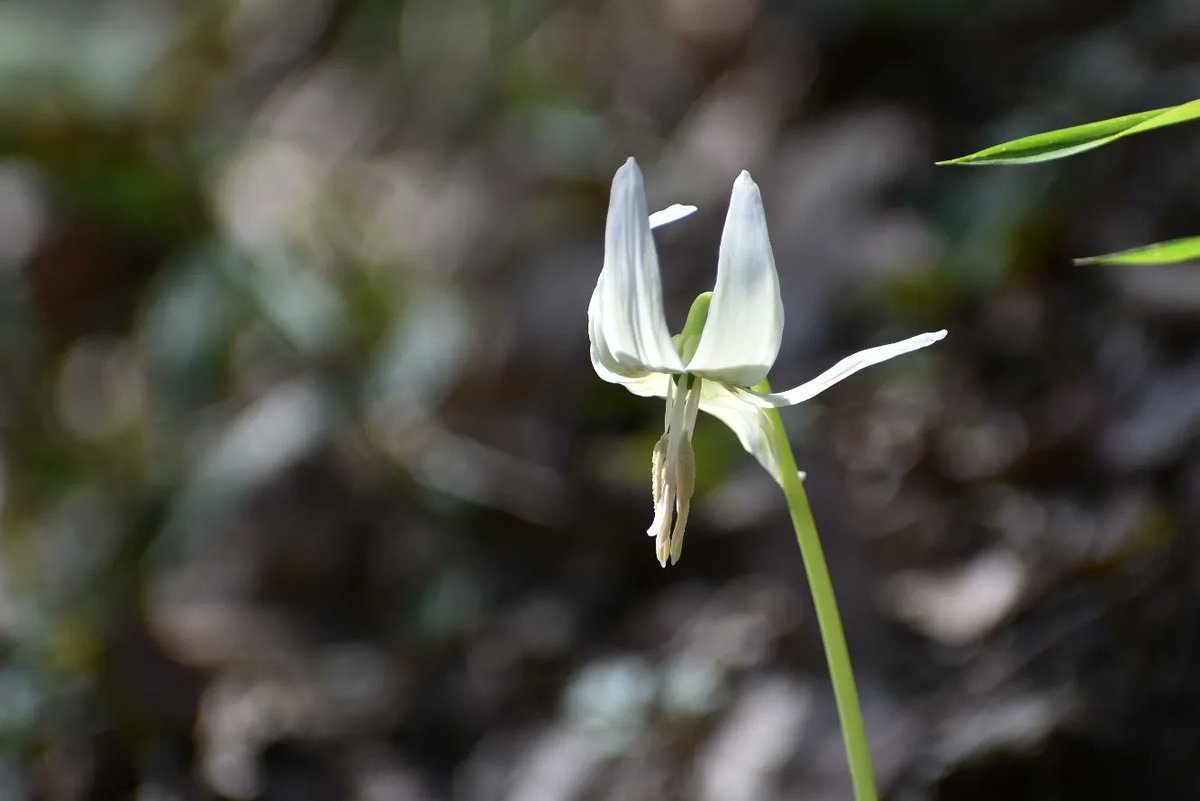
{"type": "Point", "coordinates": [829, 620]}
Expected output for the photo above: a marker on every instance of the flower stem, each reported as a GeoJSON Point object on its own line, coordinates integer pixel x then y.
{"type": "Point", "coordinates": [829, 620]}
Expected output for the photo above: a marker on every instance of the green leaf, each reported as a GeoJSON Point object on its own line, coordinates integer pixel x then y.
{"type": "Point", "coordinates": [1069, 141]}
{"type": "Point", "coordinates": [1171, 252]}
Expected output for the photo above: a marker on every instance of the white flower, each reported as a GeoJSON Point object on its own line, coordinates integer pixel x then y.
{"type": "Point", "coordinates": [728, 345]}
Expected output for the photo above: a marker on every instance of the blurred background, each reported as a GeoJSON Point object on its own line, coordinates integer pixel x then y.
{"type": "Point", "coordinates": [308, 490]}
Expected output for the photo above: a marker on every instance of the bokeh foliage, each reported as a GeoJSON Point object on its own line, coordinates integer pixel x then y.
{"type": "Point", "coordinates": [308, 490]}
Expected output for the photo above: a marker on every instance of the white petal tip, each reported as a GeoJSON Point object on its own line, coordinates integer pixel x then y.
{"type": "Point", "coordinates": [629, 169]}
{"type": "Point", "coordinates": [747, 197]}
{"type": "Point", "coordinates": [670, 214]}
{"type": "Point", "coordinates": [744, 182]}
{"type": "Point", "coordinates": [927, 339]}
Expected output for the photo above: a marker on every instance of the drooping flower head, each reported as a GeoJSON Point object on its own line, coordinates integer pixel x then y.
{"type": "Point", "coordinates": [729, 343]}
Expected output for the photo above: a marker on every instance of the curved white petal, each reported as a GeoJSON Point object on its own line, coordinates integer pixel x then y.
{"type": "Point", "coordinates": [843, 369]}
{"type": "Point", "coordinates": [603, 362]}
{"type": "Point", "coordinates": [654, 385]}
{"type": "Point", "coordinates": [750, 424]}
{"type": "Point", "coordinates": [745, 321]}
{"type": "Point", "coordinates": [670, 214]}
{"type": "Point", "coordinates": [605, 365]}
{"type": "Point", "coordinates": [628, 313]}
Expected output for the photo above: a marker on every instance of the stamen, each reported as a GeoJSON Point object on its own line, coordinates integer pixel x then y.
{"type": "Point", "coordinates": [693, 406]}
{"type": "Point", "coordinates": [662, 517]}
{"type": "Point", "coordinates": [670, 404]}
{"type": "Point", "coordinates": [685, 476]}
{"type": "Point", "coordinates": [676, 413]}
{"type": "Point", "coordinates": [673, 469]}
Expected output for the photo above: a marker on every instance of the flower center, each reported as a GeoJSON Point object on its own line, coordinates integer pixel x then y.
{"type": "Point", "coordinates": [673, 468]}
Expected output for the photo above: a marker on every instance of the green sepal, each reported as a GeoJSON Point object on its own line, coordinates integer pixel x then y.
{"type": "Point", "coordinates": [688, 340]}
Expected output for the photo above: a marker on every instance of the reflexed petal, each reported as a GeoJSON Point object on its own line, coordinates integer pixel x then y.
{"type": "Point", "coordinates": [654, 385]}
{"type": "Point", "coordinates": [745, 321]}
{"type": "Point", "coordinates": [629, 325]}
{"type": "Point", "coordinates": [603, 362]}
{"type": "Point", "coordinates": [750, 424]}
{"type": "Point", "coordinates": [670, 214]}
{"type": "Point", "coordinates": [843, 369]}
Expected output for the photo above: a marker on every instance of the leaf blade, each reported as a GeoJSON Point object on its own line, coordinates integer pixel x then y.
{"type": "Point", "coordinates": [1173, 251]}
{"type": "Point", "coordinates": [1065, 142]}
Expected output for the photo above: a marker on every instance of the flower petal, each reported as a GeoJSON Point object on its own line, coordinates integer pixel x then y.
{"type": "Point", "coordinates": [750, 424]}
{"type": "Point", "coordinates": [655, 385]}
{"type": "Point", "coordinates": [670, 214]}
{"type": "Point", "coordinates": [603, 362]}
{"type": "Point", "coordinates": [745, 321]}
{"type": "Point", "coordinates": [605, 365]}
{"type": "Point", "coordinates": [628, 317]}
{"type": "Point", "coordinates": [843, 369]}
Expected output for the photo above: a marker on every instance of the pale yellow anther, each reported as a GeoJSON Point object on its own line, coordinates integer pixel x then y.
{"type": "Point", "coordinates": [685, 478]}
{"type": "Point", "coordinates": [658, 471]}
